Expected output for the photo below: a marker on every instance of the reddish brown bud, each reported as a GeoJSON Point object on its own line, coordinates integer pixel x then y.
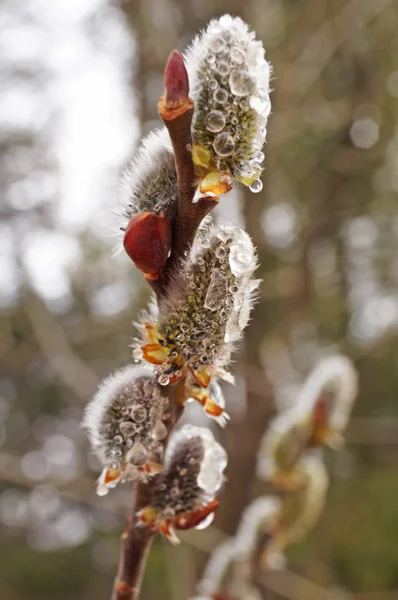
{"type": "Point", "coordinates": [176, 83]}
{"type": "Point", "coordinates": [147, 241]}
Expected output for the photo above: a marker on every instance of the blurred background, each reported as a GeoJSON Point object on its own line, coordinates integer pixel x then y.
{"type": "Point", "coordinates": [80, 80]}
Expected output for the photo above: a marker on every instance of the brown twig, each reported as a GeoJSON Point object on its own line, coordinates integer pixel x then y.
{"type": "Point", "coordinates": [177, 115]}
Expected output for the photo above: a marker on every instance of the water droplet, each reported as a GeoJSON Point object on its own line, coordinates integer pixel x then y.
{"type": "Point", "coordinates": [210, 479]}
{"type": "Point", "coordinates": [102, 489]}
{"type": "Point", "coordinates": [183, 472]}
{"type": "Point", "coordinates": [224, 144]}
{"type": "Point", "coordinates": [216, 292]}
{"type": "Point", "coordinates": [217, 44]}
{"type": "Point", "coordinates": [237, 55]}
{"type": "Point", "coordinates": [225, 21]}
{"type": "Point", "coordinates": [168, 512]}
{"type": "Point", "coordinates": [175, 492]}
{"type": "Point", "coordinates": [137, 353]}
{"type": "Point", "coordinates": [118, 439]}
{"type": "Point", "coordinates": [259, 156]}
{"type": "Point", "coordinates": [138, 413]}
{"type": "Point", "coordinates": [224, 232]}
{"type": "Point", "coordinates": [184, 327]}
{"type": "Point", "coordinates": [116, 452]}
{"type": "Point", "coordinates": [232, 329]}
{"type": "Point", "coordinates": [260, 102]}
{"type": "Point", "coordinates": [137, 454]}
{"type": "Point", "coordinates": [256, 186]}
{"type": "Point", "coordinates": [211, 58]}
{"type": "Point", "coordinates": [241, 255]}
{"type": "Point", "coordinates": [241, 83]}
{"type": "Point", "coordinates": [206, 521]}
{"type": "Point", "coordinates": [234, 289]}
{"type": "Point", "coordinates": [223, 68]}
{"type": "Point", "coordinates": [215, 121]}
{"type": "Point", "coordinates": [220, 95]}
{"type": "Point", "coordinates": [220, 252]}
{"type": "Point", "coordinates": [127, 429]}
{"type": "Point", "coordinates": [213, 85]}
{"type": "Point", "coordinates": [159, 432]}
{"type": "Point", "coordinates": [164, 379]}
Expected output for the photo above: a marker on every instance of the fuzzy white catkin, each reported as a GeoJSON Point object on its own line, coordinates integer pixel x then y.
{"type": "Point", "coordinates": [193, 471]}
{"type": "Point", "coordinates": [335, 375]}
{"type": "Point", "coordinates": [149, 183]}
{"type": "Point", "coordinates": [124, 420]}
{"type": "Point", "coordinates": [260, 516]}
{"type": "Point", "coordinates": [229, 80]}
{"type": "Point", "coordinates": [208, 302]}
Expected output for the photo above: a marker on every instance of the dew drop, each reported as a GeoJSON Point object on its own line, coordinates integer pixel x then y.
{"type": "Point", "coordinates": [159, 432]}
{"type": "Point", "coordinates": [225, 21]}
{"type": "Point", "coordinates": [138, 413]}
{"type": "Point", "coordinates": [223, 68]}
{"type": "Point", "coordinates": [137, 454]}
{"type": "Point", "coordinates": [168, 512]}
{"type": "Point", "coordinates": [118, 439]}
{"type": "Point", "coordinates": [260, 102]}
{"type": "Point", "coordinates": [211, 58]}
{"type": "Point", "coordinates": [217, 44]}
{"type": "Point", "coordinates": [213, 85]}
{"type": "Point", "coordinates": [237, 55]}
{"type": "Point", "coordinates": [127, 429]}
{"type": "Point", "coordinates": [164, 379]}
{"type": "Point", "coordinates": [175, 492]}
{"type": "Point", "coordinates": [206, 521]}
{"type": "Point", "coordinates": [241, 255]}
{"type": "Point", "coordinates": [216, 291]}
{"type": "Point", "coordinates": [240, 83]}
{"type": "Point", "coordinates": [220, 252]}
{"type": "Point", "coordinates": [220, 95]}
{"type": "Point", "coordinates": [102, 489]}
{"type": "Point", "coordinates": [215, 121]}
{"type": "Point", "coordinates": [137, 353]}
{"type": "Point", "coordinates": [224, 144]}
{"type": "Point", "coordinates": [256, 186]}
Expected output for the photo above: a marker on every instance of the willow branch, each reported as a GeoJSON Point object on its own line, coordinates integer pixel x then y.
{"type": "Point", "coordinates": [176, 111]}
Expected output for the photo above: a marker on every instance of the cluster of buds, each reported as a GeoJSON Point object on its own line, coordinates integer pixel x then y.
{"type": "Point", "coordinates": [125, 426]}
{"type": "Point", "coordinates": [318, 418]}
{"type": "Point", "coordinates": [205, 311]}
{"type": "Point", "coordinates": [230, 86]}
{"type": "Point", "coordinates": [148, 204]}
{"type": "Point", "coordinates": [183, 495]}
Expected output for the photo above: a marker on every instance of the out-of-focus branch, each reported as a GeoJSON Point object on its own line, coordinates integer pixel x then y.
{"type": "Point", "coordinates": [56, 348]}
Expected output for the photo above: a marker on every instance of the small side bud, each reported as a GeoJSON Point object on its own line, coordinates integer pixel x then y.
{"type": "Point", "coordinates": [149, 184]}
{"type": "Point", "coordinates": [176, 84]}
{"type": "Point", "coordinates": [147, 241]}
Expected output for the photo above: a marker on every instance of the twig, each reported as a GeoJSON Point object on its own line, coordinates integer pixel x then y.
{"type": "Point", "coordinates": [176, 113]}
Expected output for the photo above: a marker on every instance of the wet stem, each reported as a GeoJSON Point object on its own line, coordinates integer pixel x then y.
{"type": "Point", "coordinates": [137, 539]}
